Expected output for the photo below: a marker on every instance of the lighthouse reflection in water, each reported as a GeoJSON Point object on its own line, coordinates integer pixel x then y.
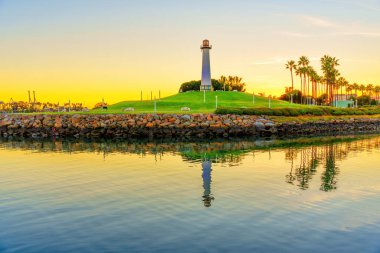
{"type": "Point", "coordinates": [206, 176]}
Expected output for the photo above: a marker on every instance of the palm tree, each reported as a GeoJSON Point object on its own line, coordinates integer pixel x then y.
{"type": "Point", "coordinates": [362, 88]}
{"type": "Point", "coordinates": [299, 73]}
{"type": "Point", "coordinates": [349, 89]}
{"type": "Point", "coordinates": [303, 63]}
{"type": "Point", "coordinates": [223, 80]}
{"type": "Point", "coordinates": [369, 88]}
{"type": "Point", "coordinates": [377, 91]}
{"type": "Point", "coordinates": [291, 65]}
{"type": "Point", "coordinates": [314, 78]}
{"type": "Point", "coordinates": [356, 86]}
{"type": "Point", "coordinates": [236, 83]}
{"type": "Point", "coordinates": [330, 74]}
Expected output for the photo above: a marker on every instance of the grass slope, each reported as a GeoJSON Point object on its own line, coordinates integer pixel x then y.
{"type": "Point", "coordinates": [194, 100]}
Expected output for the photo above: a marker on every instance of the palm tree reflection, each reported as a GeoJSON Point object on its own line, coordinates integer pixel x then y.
{"type": "Point", "coordinates": [328, 178]}
{"type": "Point", "coordinates": [310, 159]}
{"type": "Point", "coordinates": [206, 176]}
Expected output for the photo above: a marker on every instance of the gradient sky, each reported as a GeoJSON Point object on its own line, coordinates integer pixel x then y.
{"type": "Point", "coordinates": [88, 49]}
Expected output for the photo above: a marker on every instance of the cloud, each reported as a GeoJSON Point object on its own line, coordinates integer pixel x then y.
{"type": "Point", "coordinates": [280, 60]}
{"type": "Point", "coordinates": [297, 35]}
{"type": "Point", "coordinates": [319, 22]}
{"type": "Point", "coordinates": [331, 28]}
{"type": "Point", "coordinates": [271, 61]}
{"type": "Point", "coordinates": [365, 34]}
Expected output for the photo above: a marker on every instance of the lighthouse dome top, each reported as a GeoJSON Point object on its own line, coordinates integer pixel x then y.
{"type": "Point", "coordinates": [206, 44]}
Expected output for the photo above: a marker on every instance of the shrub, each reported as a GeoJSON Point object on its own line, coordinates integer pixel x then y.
{"type": "Point", "coordinates": [317, 111]}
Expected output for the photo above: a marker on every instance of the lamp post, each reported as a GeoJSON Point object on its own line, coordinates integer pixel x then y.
{"type": "Point", "coordinates": [269, 102]}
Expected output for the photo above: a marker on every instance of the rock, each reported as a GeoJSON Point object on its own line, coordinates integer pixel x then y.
{"type": "Point", "coordinates": [259, 126]}
{"type": "Point", "coordinates": [186, 117]}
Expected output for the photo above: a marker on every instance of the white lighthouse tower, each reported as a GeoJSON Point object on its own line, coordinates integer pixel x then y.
{"type": "Point", "coordinates": [206, 69]}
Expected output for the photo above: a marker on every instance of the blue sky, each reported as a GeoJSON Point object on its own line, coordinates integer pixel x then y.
{"type": "Point", "coordinates": [86, 45]}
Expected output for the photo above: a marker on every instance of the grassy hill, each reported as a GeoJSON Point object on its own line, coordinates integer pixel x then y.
{"type": "Point", "coordinates": [194, 100]}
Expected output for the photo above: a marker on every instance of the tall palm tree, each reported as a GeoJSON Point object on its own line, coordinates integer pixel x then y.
{"type": "Point", "coordinates": [369, 88]}
{"type": "Point", "coordinates": [349, 89]}
{"type": "Point", "coordinates": [291, 65]}
{"type": "Point", "coordinates": [362, 88]}
{"type": "Point", "coordinates": [304, 62]}
{"type": "Point", "coordinates": [328, 65]}
{"type": "Point", "coordinates": [356, 87]}
{"type": "Point", "coordinates": [299, 73]}
{"type": "Point", "coordinates": [314, 79]}
{"type": "Point", "coordinates": [377, 91]}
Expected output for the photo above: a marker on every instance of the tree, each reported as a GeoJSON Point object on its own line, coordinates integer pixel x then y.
{"type": "Point", "coordinates": [297, 95]}
{"type": "Point", "coordinates": [190, 86]}
{"type": "Point", "coordinates": [328, 65]}
{"type": "Point", "coordinates": [216, 85]}
{"type": "Point", "coordinates": [303, 64]}
{"type": "Point", "coordinates": [362, 88]}
{"type": "Point", "coordinates": [356, 87]}
{"type": "Point", "coordinates": [223, 80]}
{"type": "Point", "coordinates": [196, 85]}
{"type": "Point", "coordinates": [291, 65]}
{"type": "Point", "coordinates": [377, 91]}
{"type": "Point", "coordinates": [236, 83]}
{"type": "Point", "coordinates": [369, 88]}
{"type": "Point", "coordinates": [340, 83]}
{"type": "Point", "coordinates": [364, 100]}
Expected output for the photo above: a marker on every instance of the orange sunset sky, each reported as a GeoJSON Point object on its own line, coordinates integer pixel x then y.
{"type": "Point", "coordinates": [84, 50]}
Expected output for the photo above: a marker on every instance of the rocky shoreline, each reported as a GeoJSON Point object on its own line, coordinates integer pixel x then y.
{"type": "Point", "coordinates": [172, 126]}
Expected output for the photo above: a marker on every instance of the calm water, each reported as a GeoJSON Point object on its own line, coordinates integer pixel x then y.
{"type": "Point", "coordinates": [318, 195]}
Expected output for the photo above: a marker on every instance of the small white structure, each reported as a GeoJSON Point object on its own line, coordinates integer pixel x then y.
{"type": "Point", "coordinates": [129, 109]}
{"type": "Point", "coordinates": [185, 109]}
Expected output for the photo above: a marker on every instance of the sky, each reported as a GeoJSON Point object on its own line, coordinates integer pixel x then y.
{"type": "Point", "coordinates": [86, 50]}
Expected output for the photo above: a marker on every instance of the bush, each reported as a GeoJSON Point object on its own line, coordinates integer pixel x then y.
{"type": "Point", "coordinates": [317, 111]}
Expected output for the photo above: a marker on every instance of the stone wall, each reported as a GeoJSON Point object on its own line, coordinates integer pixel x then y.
{"type": "Point", "coordinates": [134, 126]}
{"type": "Point", "coordinates": [172, 126]}
{"type": "Point", "coordinates": [335, 127]}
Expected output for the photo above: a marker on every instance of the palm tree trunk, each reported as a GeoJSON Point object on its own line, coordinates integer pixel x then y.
{"type": "Point", "coordinates": [291, 73]}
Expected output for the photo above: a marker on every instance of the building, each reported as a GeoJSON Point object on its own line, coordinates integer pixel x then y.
{"type": "Point", "coordinates": [344, 100]}
{"type": "Point", "coordinates": [206, 68]}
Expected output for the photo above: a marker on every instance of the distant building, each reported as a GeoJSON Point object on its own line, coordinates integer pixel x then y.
{"type": "Point", "coordinates": [206, 68]}
{"type": "Point", "coordinates": [344, 101]}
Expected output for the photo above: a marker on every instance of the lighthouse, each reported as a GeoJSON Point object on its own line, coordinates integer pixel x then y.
{"type": "Point", "coordinates": [206, 69]}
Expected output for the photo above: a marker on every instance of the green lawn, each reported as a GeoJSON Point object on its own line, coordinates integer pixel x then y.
{"type": "Point", "coordinates": [194, 100]}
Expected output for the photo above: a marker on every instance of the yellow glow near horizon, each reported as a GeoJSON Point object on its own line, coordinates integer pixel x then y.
{"type": "Point", "coordinates": [114, 51]}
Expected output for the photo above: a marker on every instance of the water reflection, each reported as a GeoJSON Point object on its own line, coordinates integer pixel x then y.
{"type": "Point", "coordinates": [305, 156]}
{"type": "Point", "coordinates": [324, 156]}
{"type": "Point", "coordinates": [159, 196]}
{"type": "Point", "coordinates": [206, 176]}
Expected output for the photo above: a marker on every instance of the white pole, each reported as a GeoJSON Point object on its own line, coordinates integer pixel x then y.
{"type": "Point", "coordinates": [155, 105]}
{"type": "Point", "coordinates": [204, 96]}
{"type": "Point", "coordinates": [216, 102]}
{"type": "Point", "coordinates": [291, 98]}
{"type": "Point", "coordinates": [269, 102]}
